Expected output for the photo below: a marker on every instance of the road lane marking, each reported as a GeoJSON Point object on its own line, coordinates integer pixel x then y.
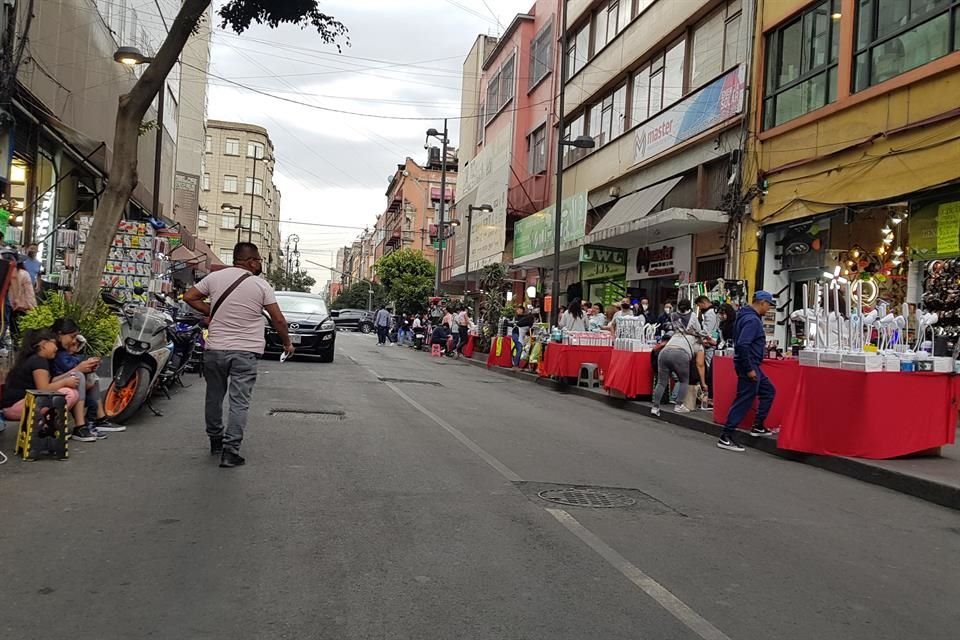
{"type": "Point", "coordinates": [501, 468]}
{"type": "Point", "coordinates": [674, 605]}
{"type": "Point", "coordinates": [660, 594]}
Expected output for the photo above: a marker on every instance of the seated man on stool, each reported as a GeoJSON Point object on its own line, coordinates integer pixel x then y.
{"type": "Point", "coordinates": [441, 335]}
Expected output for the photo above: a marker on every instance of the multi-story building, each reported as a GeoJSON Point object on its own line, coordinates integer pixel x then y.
{"type": "Point", "coordinates": [58, 133]}
{"type": "Point", "coordinates": [192, 129]}
{"type": "Point", "coordinates": [413, 203]}
{"type": "Point", "coordinates": [238, 199]}
{"type": "Point", "coordinates": [855, 166]}
{"type": "Point", "coordinates": [659, 87]}
{"type": "Point", "coordinates": [508, 126]}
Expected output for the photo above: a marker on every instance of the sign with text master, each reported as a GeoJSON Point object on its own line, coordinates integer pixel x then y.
{"type": "Point", "coordinates": [663, 259]}
{"type": "Point", "coordinates": [718, 101]}
{"type": "Point", "coordinates": [534, 233]}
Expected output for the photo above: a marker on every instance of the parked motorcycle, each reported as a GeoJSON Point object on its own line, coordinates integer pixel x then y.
{"type": "Point", "coordinates": [139, 360]}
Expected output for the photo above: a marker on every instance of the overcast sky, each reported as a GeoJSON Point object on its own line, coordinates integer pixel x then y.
{"type": "Point", "coordinates": [404, 59]}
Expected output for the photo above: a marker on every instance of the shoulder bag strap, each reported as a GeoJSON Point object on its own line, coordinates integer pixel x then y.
{"type": "Point", "coordinates": [226, 294]}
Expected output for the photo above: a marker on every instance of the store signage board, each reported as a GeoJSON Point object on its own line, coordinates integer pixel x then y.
{"type": "Point", "coordinates": [484, 180]}
{"type": "Point", "coordinates": [935, 231]}
{"type": "Point", "coordinates": [535, 233]}
{"type": "Point", "coordinates": [718, 101]}
{"type": "Point", "coordinates": [664, 259]}
{"type": "Point", "coordinates": [186, 199]}
{"type": "Point", "coordinates": [948, 228]}
{"type": "Point", "coordinates": [598, 262]}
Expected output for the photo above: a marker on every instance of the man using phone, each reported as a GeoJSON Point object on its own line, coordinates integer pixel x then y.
{"type": "Point", "coordinates": [238, 298]}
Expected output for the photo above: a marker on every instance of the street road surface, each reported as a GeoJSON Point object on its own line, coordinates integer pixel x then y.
{"type": "Point", "coordinates": [415, 515]}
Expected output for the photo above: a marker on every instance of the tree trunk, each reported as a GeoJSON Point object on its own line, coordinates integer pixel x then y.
{"type": "Point", "coordinates": [123, 168]}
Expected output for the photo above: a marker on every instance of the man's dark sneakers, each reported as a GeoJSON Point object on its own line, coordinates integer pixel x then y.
{"type": "Point", "coordinates": [230, 459]}
{"type": "Point", "coordinates": [216, 446]}
{"type": "Point", "coordinates": [760, 430]}
{"type": "Point", "coordinates": [729, 442]}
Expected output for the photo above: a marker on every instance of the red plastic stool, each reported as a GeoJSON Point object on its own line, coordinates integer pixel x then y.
{"type": "Point", "coordinates": [436, 350]}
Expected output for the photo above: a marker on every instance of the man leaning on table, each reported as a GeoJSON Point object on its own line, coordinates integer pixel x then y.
{"type": "Point", "coordinates": [751, 342]}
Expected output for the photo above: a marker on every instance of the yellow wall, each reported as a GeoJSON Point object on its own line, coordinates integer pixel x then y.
{"type": "Point", "coordinates": [851, 152]}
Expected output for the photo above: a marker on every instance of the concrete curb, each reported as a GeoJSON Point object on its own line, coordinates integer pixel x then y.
{"type": "Point", "coordinates": [945, 495]}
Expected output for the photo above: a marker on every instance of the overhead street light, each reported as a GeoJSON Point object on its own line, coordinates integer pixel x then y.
{"type": "Point", "coordinates": [130, 56]}
{"type": "Point", "coordinates": [466, 263]}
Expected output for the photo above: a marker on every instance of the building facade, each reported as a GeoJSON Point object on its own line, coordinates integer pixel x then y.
{"type": "Point", "coordinates": [59, 126]}
{"type": "Point", "coordinates": [855, 166]}
{"type": "Point", "coordinates": [508, 126]}
{"type": "Point", "coordinates": [238, 198]}
{"type": "Point", "coordinates": [659, 88]}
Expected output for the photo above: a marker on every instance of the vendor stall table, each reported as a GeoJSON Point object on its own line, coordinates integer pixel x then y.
{"type": "Point", "coordinates": [630, 373]}
{"type": "Point", "coordinates": [564, 360]}
{"type": "Point", "coordinates": [782, 373]}
{"type": "Point", "coordinates": [870, 415]}
{"type": "Point", "coordinates": [501, 353]}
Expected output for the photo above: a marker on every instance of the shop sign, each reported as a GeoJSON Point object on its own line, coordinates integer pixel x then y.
{"type": "Point", "coordinates": [718, 101]}
{"type": "Point", "coordinates": [935, 231]}
{"type": "Point", "coordinates": [664, 259]}
{"type": "Point", "coordinates": [598, 263]}
{"type": "Point", "coordinates": [484, 180]}
{"type": "Point", "coordinates": [186, 202]}
{"type": "Point", "coordinates": [534, 233]}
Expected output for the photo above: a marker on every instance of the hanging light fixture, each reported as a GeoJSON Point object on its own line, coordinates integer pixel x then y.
{"type": "Point", "coordinates": [896, 262]}
{"type": "Point", "coordinates": [898, 252]}
{"type": "Point", "coordinates": [888, 239]}
{"type": "Point", "coordinates": [896, 218]}
{"type": "Point", "coordinates": [886, 229]}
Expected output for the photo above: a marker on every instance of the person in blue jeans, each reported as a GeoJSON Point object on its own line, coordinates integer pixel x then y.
{"type": "Point", "coordinates": [751, 342]}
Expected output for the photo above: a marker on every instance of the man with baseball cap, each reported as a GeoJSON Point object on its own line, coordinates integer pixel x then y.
{"type": "Point", "coordinates": [751, 342]}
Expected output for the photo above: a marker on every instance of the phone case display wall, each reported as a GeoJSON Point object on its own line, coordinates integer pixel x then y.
{"type": "Point", "coordinates": [587, 338]}
{"type": "Point", "coordinates": [633, 334]}
{"type": "Point", "coordinates": [137, 258]}
{"type": "Point", "coordinates": [65, 259]}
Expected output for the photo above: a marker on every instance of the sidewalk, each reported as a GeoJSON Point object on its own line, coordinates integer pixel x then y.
{"type": "Point", "coordinates": [934, 479]}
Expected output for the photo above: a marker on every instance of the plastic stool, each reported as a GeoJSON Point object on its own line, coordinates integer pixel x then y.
{"type": "Point", "coordinates": [436, 351]}
{"type": "Point", "coordinates": [589, 375]}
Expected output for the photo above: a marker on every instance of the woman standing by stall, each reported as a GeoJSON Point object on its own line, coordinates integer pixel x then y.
{"type": "Point", "coordinates": [572, 319]}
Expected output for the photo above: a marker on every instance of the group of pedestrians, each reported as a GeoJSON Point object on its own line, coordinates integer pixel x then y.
{"type": "Point", "coordinates": [686, 353]}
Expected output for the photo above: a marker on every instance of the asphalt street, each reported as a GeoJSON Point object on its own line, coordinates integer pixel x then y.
{"type": "Point", "coordinates": [410, 509]}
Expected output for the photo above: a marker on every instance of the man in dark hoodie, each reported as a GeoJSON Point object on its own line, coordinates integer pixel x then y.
{"type": "Point", "coordinates": [751, 342]}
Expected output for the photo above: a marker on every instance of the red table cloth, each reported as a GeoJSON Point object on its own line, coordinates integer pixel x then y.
{"type": "Point", "coordinates": [782, 373]}
{"type": "Point", "coordinates": [564, 360]}
{"type": "Point", "coordinates": [468, 348]}
{"type": "Point", "coordinates": [504, 359]}
{"type": "Point", "coordinates": [630, 373]}
{"type": "Point", "coordinates": [870, 415]}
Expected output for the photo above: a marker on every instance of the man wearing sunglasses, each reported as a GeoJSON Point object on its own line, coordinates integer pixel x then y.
{"type": "Point", "coordinates": [238, 297]}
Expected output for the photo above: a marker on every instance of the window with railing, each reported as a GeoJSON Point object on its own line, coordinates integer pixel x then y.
{"type": "Point", "coordinates": [895, 36]}
{"type": "Point", "coordinates": [801, 66]}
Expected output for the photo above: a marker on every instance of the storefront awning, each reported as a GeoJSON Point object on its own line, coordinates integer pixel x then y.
{"type": "Point", "coordinates": [653, 227]}
{"type": "Point", "coordinates": [635, 206]}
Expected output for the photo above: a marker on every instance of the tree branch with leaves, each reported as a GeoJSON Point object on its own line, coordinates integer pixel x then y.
{"type": "Point", "coordinates": [237, 15]}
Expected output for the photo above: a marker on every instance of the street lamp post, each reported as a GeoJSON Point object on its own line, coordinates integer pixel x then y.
{"type": "Point", "coordinates": [466, 263]}
{"type": "Point", "coordinates": [582, 142]}
{"type": "Point", "coordinates": [433, 133]}
{"type": "Point", "coordinates": [131, 57]}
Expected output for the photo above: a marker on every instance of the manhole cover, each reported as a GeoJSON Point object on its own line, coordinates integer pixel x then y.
{"type": "Point", "coordinates": [309, 415]}
{"type": "Point", "coordinates": [573, 497]}
{"type": "Point", "coordinates": [410, 381]}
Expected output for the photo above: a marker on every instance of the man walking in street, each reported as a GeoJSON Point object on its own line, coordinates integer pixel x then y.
{"type": "Point", "coordinates": [382, 324]}
{"type": "Point", "coordinates": [237, 300]}
{"type": "Point", "coordinates": [751, 341]}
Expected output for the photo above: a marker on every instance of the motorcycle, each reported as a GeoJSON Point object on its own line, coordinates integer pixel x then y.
{"type": "Point", "coordinates": [184, 335]}
{"type": "Point", "coordinates": [419, 337]}
{"type": "Point", "coordinates": [140, 360]}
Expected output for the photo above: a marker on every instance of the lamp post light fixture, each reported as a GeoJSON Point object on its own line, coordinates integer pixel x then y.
{"type": "Point", "coordinates": [445, 139]}
{"type": "Point", "coordinates": [239, 212]}
{"type": "Point", "coordinates": [466, 263]}
{"type": "Point", "coordinates": [132, 57]}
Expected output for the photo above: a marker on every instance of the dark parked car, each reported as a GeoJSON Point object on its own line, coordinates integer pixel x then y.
{"type": "Point", "coordinates": [312, 330]}
{"type": "Point", "coordinates": [356, 319]}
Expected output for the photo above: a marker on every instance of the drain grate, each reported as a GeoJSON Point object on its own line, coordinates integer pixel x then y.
{"type": "Point", "coordinates": [594, 498]}
{"type": "Point", "coordinates": [309, 415]}
{"type": "Point", "coordinates": [432, 383]}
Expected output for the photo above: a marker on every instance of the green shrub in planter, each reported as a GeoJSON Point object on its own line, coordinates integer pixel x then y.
{"type": "Point", "coordinates": [97, 322]}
